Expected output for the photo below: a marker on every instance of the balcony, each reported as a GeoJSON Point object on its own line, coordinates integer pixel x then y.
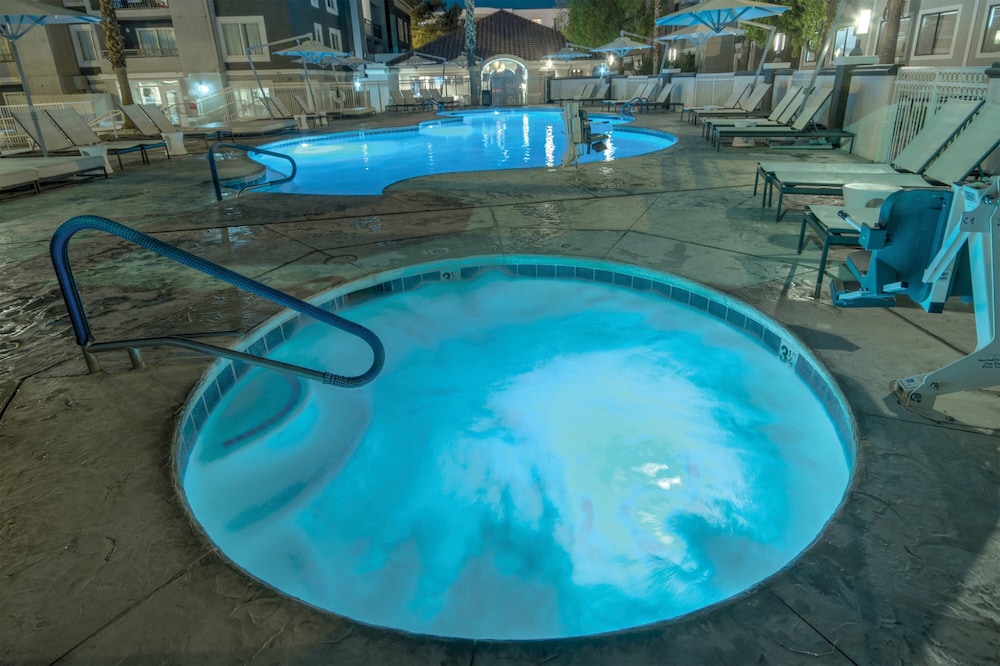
{"type": "Point", "coordinates": [145, 53]}
{"type": "Point", "coordinates": [148, 7]}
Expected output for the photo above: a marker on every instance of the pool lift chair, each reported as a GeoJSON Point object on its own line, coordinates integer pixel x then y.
{"type": "Point", "coordinates": [929, 245]}
{"type": "Point", "coordinates": [578, 134]}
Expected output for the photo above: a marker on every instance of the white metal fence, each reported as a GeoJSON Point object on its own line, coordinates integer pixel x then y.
{"type": "Point", "coordinates": [919, 93]}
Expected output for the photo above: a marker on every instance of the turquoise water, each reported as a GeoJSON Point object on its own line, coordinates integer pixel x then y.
{"type": "Point", "coordinates": [368, 162]}
{"type": "Point", "coordinates": [540, 458]}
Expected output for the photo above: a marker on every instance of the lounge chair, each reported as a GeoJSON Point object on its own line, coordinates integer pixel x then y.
{"type": "Point", "coordinates": [642, 91]}
{"type": "Point", "coordinates": [59, 141]}
{"type": "Point", "coordinates": [398, 103]}
{"type": "Point", "coordinates": [18, 172]}
{"type": "Point", "coordinates": [954, 163]}
{"type": "Point", "coordinates": [411, 99]}
{"type": "Point", "coordinates": [804, 127]}
{"type": "Point", "coordinates": [747, 105]}
{"type": "Point", "coordinates": [435, 95]}
{"type": "Point", "coordinates": [600, 92]}
{"type": "Point", "coordinates": [781, 114]}
{"type": "Point", "coordinates": [162, 123]}
{"type": "Point", "coordinates": [937, 131]}
{"type": "Point", "coordinates": [312, 117]}
{"type": "Point", "coordinates": [662, 99]}
{"type": "Point", "coordinates": [731, 103]}
{"type": "Point", "coordinates": [83, 136]}
{"type": "Point", "coordinates": [143, 121]}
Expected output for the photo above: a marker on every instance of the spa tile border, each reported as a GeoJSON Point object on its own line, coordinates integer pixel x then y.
{"type": "Point", "coordinates": [769, 334]}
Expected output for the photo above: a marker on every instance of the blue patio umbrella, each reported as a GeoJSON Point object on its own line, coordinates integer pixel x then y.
{"type": "Point", "coordinates": [718, 14]}
{"type": "Point", "coordinates": [18, 17]}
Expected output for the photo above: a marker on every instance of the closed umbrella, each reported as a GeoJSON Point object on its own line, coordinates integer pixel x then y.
{"type": "Point", "coordinates": [18, 17]}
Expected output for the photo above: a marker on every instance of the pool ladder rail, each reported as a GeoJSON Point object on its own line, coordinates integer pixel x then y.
{"type": "Point", "coordinates": [59, 253]}
{"type": "Point", "coordinates": [248, 149]}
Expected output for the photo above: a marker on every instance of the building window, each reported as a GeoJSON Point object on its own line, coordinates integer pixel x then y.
{"type": "Point", "coordinates": [845, 42]}
{"type": "Point", "coordinates": [991, 40]}
{"type": "Point", "coordinates": [335, 41]}
{"type": "Point", "coordinates": [936, 33]}
{"type": "Point", "coordinates": [331, 6]}
{"type": "Point", "coordinates": [318, 32]}
{"type": "Point", "coordinates": [84, 45]}
{"type": "Point", "coordinates": [314, 3]}
{"type": "Point", "coordinates": [156, 41]}
{"type": "Point", "coordinates": [239, 32]}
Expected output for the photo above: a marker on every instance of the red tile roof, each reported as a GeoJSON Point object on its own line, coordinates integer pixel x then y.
{"type": "Point", "coordinates": [498, 33]}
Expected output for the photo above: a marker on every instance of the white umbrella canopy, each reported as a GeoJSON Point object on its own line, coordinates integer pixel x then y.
{"type": "Point", "coordinates": [621, 46]}
{"type": "Point", "coordinates": [310, 51]}
{"type": "Point", "coordinates": [18, 17]}
{"type": "Point", "coordinates": [717, 14]}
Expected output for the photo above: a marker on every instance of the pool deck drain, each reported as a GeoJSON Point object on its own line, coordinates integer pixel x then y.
{"type": "Point", "coordinates": [100, 564]}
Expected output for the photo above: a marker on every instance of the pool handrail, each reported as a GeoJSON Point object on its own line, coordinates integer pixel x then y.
{"type": "Point", "coordinates": [59, 253]}
{"type": "Point", "coordinates": [248, 149]}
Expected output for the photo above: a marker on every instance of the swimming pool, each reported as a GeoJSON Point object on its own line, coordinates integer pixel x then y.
{"type": "Point", "coordinates": [368, 161]}
{"type": "Point", "coordinates": [555, 448]}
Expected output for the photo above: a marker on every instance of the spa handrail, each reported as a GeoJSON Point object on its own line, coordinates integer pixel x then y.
{"type": "Point", "coordinates": [239, 146]}
{"type": "Point", "coordinates": [59, 252]}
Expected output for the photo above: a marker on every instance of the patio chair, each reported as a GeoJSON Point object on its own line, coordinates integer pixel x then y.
{"type": "Point", "coordinates": [140, 120]}
{"type": "Point", "coordinates": [411, 99]}
{"type": "Point", "coordinates": [435, 95]}
{"type": "Point", "coordinates": [747, 105]}
{"type": "Point", "coordinates": [82, 135]}
{"type": "Point", "coordinates": [731, 103]}
{"type": "Point", "coordinates": [662, 99]}
{"type": "Point", "coordinates": [642, 91]}
{"type": "Point", "coordinates": [16, 172]}
{"type": "Point", "coordinates": [781, 114]}
{"type": "Point", "coordinates": [937, 131]}
{"type": "Point", "coordinates": [963, 155]}
{"type": "Point", "coordinates": [162, 123]}
{"type": "Point", "coordinates": [276, 108]}
{"type": "Point", "coordinates": [398, 103]}
{"type": "Point", "coordinates": [312, 117]}
{"type": "Point", "coordinates": [600, 92]}
{"type": "Point", "coordinates": [804, 127]}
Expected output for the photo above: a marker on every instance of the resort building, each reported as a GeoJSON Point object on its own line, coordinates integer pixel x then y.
{"type": "Point", "coordinates": [182, 51]}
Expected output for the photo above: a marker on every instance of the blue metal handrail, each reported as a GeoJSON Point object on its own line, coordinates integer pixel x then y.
{"type": "Point", "coordinates": [59, 252]}
{"type": "Point", "coordinates": [239, 146]}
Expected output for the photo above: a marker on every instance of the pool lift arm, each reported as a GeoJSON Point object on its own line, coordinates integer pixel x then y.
{"type": "Point", "coordinates": [972, 227]}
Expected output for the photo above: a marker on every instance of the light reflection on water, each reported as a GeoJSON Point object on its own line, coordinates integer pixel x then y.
{"type": "Point", "coordinates": [368, 163]}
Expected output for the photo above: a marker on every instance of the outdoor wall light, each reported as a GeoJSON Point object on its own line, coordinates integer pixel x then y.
{"type": "Point", "coordinates": [357, 84]}
{"type": "Point", "coordinates": [672, 54]}
{"type": "Point", "coordinates": [202, 89]}
{"type": "Point", "coordinates": [611, 60]}
{"type": "Point", "coordinates": [548, 64]}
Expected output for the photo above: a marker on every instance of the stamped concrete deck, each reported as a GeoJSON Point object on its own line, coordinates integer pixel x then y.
{"type": "Point", "coordinates": [99, 563]}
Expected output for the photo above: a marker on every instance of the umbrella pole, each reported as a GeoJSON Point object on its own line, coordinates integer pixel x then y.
{"type": "Point", "coordinates": [27, 96]}
{"type": "Point", "coordinates": [309, 88]}
{"type": "Point", "coordinates": [767, 47]}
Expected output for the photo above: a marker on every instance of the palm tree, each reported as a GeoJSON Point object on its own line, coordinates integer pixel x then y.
{"type": "Point", "coordinates": [116, 52]}
{"type": "Point", "coordinates": [890, 33]}
{"type": "Point", "coordinates": [470, 49]}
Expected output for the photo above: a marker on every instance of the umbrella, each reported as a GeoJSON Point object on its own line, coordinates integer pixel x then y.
{"type": "Point", "coordinates": [310, 51]}
{"type": "Point", "coordinates": [421, 60]}
{"type": "Point", "coordinates": [717, 14]}
{"type": "Point", "coordinates": [566, 54]}
{"type": "Point", "coordinates": [621, 46]}
{"type": "Point", "coordinates": [698, 34]}
{"type": "Point", "coordinates": [18, 17]}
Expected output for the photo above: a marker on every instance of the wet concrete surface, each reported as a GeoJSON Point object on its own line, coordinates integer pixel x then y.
{"type": "Point", "coordinates": [99, 562]}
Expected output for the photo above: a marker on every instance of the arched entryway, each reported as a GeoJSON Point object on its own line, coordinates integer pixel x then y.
{"type": "Point", "coordinates": [506, 79]}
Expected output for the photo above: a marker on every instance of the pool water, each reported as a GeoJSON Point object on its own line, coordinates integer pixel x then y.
{"type": "Point", "coordinates": [369, 161]}
{"type": "Point", "coordinates": [540, 458]}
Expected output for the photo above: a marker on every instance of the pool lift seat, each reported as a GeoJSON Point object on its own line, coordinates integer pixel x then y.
{"type": "Point", "coordinates": [929, 245]}
{"type": "Point", "coordinates": [578, 134]}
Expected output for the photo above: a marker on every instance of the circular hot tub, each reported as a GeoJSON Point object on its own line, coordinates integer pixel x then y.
{"type": "Point", "coordinates": [555, 447]}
